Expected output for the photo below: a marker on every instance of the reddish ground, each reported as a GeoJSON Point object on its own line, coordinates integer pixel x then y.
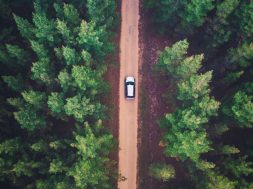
{"type": "Point", "coordinates": [153, 105]}
{"type": "Point", "coordinates": [111, 100]}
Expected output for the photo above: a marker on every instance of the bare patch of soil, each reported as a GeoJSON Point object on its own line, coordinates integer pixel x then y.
{"type": "Point", "coordinates": [111, 100]}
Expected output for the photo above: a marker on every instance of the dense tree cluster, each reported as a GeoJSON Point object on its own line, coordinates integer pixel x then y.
{"type": "Point", "coordinates": [197, 127]}
{"type": "Point", "coordinates": [186, 136]}
{"type": "Point", "coordinates": [210, 138]}
{"type": "Point", "coordinates": [51, 129]}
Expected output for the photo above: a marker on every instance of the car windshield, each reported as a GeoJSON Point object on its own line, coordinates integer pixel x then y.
{"type": "Point", "coordinates": [130, 83]}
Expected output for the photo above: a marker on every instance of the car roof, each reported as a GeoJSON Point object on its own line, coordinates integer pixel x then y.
{"type": "Point", "coordinates": [130, 90]}
{"type": "Point", "coordinates": [130, 78]}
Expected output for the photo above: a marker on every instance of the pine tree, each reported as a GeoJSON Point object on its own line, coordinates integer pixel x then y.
{"type": "Point", "coordinates": [241, 109]}
{"type": "Point", "coordinates": [19, 55]}
{"type": "Point", "coordinates": [162, 172]}
{"type": "Point", "coordinates": [214, 180]}
{"type": "Point", "coordinates": [86, 79]}
{"type": "Point", "coordinates": [42, 71]}
{"type": "Point", "coordinates": [238, 167]}
{"type": "Point", "coordinates": [16, 83]}
{"type": "Point", "coordinates": [244, 14]}
{"type": "Point", "coordinates": [186, 144]}
{"type": "Point", "coordinates": [29, 119]}
{"type": "Point", "coordinates": [103, 12]}
{"type": "Point", "coordinates": [56, 103]}
{"type": "Point", "coordinates": [195, 12]}
{"type": "Point", "coordinates": [70, 56]}
{"type": "Point", "coordinates": [79, 107]}
{"type": "Point", "coordinates": [25, 28]}
{"type": "Point", "coordinates": [171, 57]}
{"type": "Point", "coordinates": [35, 98]}
{"type": "Point", "coordinates": [65, 80]}
{"type": "Point", "coordinates": [90, 169]}
{"type": "Point", "coordinates": [196, 87]}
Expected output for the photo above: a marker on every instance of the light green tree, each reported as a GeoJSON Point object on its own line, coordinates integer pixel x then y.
{"type": "Point", "coordinates": [163, 172]}
{"type": "Point", "coordinates": [36, 98]}
{"type": "Point", "coordinates": [56, 103]}
{"type": "Point", "coordinates": [29, 119]}
{"type": "Point", "coordinates": [241, 109]}
{"type": "Point", "coordinates": [42, 71]}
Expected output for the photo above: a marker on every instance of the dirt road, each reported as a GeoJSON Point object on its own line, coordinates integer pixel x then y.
{"type": "Point", "coordinates": [128, 108]}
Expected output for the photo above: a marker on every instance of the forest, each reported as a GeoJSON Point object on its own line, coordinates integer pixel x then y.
{"type": "Point", "coordinates": [53, 58]}
{"type": "Point", "coordinates": [210, 67]}
{"type": "Point", "coordinates": [52, 62]}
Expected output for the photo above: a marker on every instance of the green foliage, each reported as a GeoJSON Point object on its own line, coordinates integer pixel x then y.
{"type": "Point", "coordinates": [233, 76]}
{"type": "Point", "coordinates": [86, 79]}
{"type": "Point", "coordinates": [162, 172]}
{"type": "Point", "coordinates": [195, 12]}
{"type": "Point", "coordinates": [29, 119]}
{"type": "Point", "coordinates": [246, 19]}
{"type": "Point", "coordinates": [25, 168]}
{"type": "Point", "coordinates": [40, 146]}
{"type": "Point", "coordinates": [204, 165]}
{"type": "Point", "coordinates": [24, 27]}
{"type": "Point", "coordinates": [35, 98]}
{"type": "Point", "coordinates": [238, 167]}
{"type": "Point", "coordinates": [220, 129]}
{"type": "Point", "coordinates": [39, 49]}
{"type": "Point", "coordinates": [223, 30]}
{"type": "Point", "coordinates": [173, 61]}
{"type": "Point", "coordinates": [19, 55]}
{"type": "Point", "coordinates": [65, 32]}
{"type": "Point", "coordinates": [56, 103]}
{"type": "Point", "coordinates": [206, 106]}
{"type": "Point", "coordinates": [16, 102]}
{"type": "Point", "coordinates": [185, 135]}
{"type": "Point", "coordinates": [15, 83]}
{"type": "Point", "coordinates": [56, 166]}
{"type": "Point", "coordinates": [86, 57]}
{"type": "Point", "coordinates": [213, 180]}
{"type": "Point", "coordinates": [165, 10]}
{"type": "Point", "coordinates": [70, 56]}
{"type": "Point", "coordinates": [192, 117]}
{"type": "Point", "coordinates": [189, 14]}
{"type": "Point", "coordinates": [10, 146]}
{"type": "Point", "coordinates": [42, 71]}
{"type": "Point", "coordinates": [171, 57]}
{"type": "Point", "coordinates": [228, 150]}
{"type": "Point", "coordinates": [241, 109]}
{"type": "Point", "coordinates": [90, 168]}
{"type": "Point", "coordinates": [55, 76]}
{"type": "Point", "coordinates": [81, 107]}
{"type": "Point", "coordinates": [90, 38]}
{"type": "Point", "coordinates": [44, 28]}
{"type": "Point", "coordinates": [102, 12]}
{"type": "Point", "coordinates": [218, 31]}
{"type": "Point", "coordinates": [225, 8]}
{"type": "Point", "coordinates": [71, 14]}
{"type": "Point", "coordinates": [196, 87]}
{"type": "Point", "coordinates": [241, 56]}
{"type": "Point", "coordinates": [65, 79]}
{"type": "Point", "coordinates": [188, 67]}
{"type": "Point", "coordinates": [187, 144]}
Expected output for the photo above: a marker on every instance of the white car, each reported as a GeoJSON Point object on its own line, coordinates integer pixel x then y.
{"type": "Point", "coordinates": [129, 87]}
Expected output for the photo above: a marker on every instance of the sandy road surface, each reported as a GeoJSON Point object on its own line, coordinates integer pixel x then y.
{"type": "Point", "coordinates": [128, 108]}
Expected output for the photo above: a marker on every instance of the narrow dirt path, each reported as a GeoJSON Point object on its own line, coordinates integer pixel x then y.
{"type": "Point", "coordinates": [128, 109]}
